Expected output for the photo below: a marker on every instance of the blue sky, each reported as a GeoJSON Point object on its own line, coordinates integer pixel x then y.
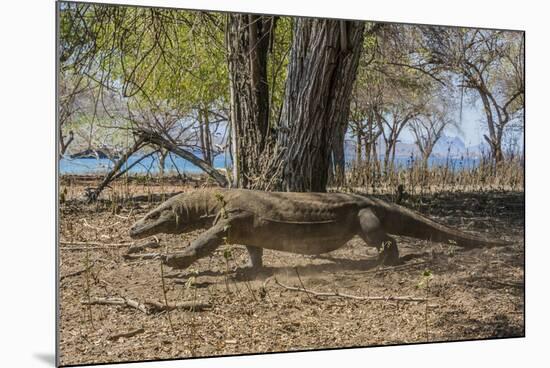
{"type": "Point", "coordinates": [471, 129]}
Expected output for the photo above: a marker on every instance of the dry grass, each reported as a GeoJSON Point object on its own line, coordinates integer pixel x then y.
{"type": "Point", "coordinates": [453, 176]}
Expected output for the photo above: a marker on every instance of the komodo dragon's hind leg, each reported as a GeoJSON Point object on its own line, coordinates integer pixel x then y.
{"type": "Point", "coordinates": [255, 264]}
{"type": "Point", "coordinates": [373, 234]}
{"type": "Point", "coordinates": [204, 244]}
{"type": "Point", "coordinates": [255, 253]}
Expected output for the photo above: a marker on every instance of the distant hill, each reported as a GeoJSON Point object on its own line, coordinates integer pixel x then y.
{"type": "Point", "coordinates": [454, 147]}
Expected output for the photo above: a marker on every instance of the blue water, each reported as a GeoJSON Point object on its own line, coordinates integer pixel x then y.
{"type": "Point", "coordinates": [174, 163]}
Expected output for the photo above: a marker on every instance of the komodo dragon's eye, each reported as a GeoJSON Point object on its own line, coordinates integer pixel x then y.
{"type": "Point", "coordinates": [154, 215]}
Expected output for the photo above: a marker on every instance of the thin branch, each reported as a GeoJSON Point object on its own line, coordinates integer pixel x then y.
{"type": "Point", "coordinates": [417, 68]}
{"type": "Point", "coordinates": [341, 295]}
{"type": "Point", "coordinates": [91, 245]}
{"type": "Point", "coordinates": [144, 256]}
{"type": "Point", "coordinates": [157, 139]}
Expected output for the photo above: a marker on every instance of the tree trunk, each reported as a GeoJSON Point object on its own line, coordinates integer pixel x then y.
{"type": "Point", "coordinates": [204, 135]}
{"type": "Point", "coordinates": [338, 154]}
{"type": "Point", "coordinates": [392, 161]}
{"type": "Point", "coordinates": [368, 150]}
{"type": "Point", "coordinates": [208, 138]}
{"type": "Point", "coordinates": [321, 72]}
{"type": "Point", "coordinates": [248, 39]}
{"type": "Point", "coordinates": [496, 148]}
{"type": "Point", "coordinates": [387, 154]}
{"type": "Point", "coordinates": [64, 144]}
{"type": "Point", "coordinates": [495, 128]}
{"type": "Point", "coordinates": [162, 161]}
{"type": "Point", "coordinates": [426, 153]}
{"type": "Point", "coordinates": [359, 147]}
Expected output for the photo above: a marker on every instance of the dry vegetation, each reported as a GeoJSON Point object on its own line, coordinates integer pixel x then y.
{"type": "Point", "coordinates": [211, 309]}
{"type": "Point", "coordinates": [452, 176]}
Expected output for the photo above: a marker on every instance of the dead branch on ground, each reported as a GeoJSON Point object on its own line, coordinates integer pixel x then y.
{"type": "Point", "coordinates": [355, 297]}
{"type": "Point", "coordinates": [148, 307]}
{"type": "Point", "coordinates": [91, 245]}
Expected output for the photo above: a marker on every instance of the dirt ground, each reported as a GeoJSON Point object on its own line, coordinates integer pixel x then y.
{"type": "Point", "coordinates": [472, 294]}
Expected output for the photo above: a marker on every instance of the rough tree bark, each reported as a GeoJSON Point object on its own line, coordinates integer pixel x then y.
{"type": "Point", "coordinates": [321, 72]}
{"type": "Point", "coordinates": [248, 40]}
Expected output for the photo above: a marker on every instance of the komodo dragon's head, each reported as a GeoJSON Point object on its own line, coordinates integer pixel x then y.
{"type": "Point", "coordinates": [166, 219]}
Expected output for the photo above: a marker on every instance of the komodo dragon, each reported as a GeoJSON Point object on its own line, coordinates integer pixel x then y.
{"type": "Point", "coordinates": [304, 223]}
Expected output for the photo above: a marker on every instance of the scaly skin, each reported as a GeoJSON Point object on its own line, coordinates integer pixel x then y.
{"type": "Point", "coordinates": [304, 223]}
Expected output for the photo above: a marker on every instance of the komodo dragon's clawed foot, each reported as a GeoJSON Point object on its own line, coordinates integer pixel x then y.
{"type": "Point", "coordinates": [254, 265]}
{"type": "Point", "coordinates": [250, 273]}
{"type": "Point", "coordinates": [178, 260]}
{"type": "Point", "coordinates": [389, 254]}
{"type": "Point", "coordinates": [202, 246]}
{"type": "Point", "coordinates": [389, 261]}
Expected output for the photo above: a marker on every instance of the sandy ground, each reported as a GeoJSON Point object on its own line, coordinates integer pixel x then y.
{"type": "Point", "coordinates": [472, 294]}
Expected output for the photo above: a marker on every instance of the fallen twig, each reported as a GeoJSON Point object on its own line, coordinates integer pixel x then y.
{"type": "Point", "coordinates": [148, 307]}
{"type": "Point", "coordinates": [118, 301]}
{"type": "Point", "coordinates": [301, 283]}
{"type": "Point", "coordinates": [192, 306]}
{"type": "Point", "coordinates": [76, 249]}
{"type": "Point", "coordinates": [126, 334]}
{"type": "Point", "coordinates": [91, 245]}
{"type": "Point", "coordinates": [337, 294]}
{"type": "Point", "coordinates": [142, 256]}
{"type": "Point", "coordinates": [136, 248]}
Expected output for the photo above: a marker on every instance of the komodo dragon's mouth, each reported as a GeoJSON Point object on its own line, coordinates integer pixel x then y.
{"type": "Point", "coordinates": [142, 230]}
{"type": "Point", "coordinates": [155, 223]}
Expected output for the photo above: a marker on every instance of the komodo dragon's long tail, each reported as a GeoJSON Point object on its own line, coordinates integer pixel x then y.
{"type": "Point", "coordinates": [399, 220]}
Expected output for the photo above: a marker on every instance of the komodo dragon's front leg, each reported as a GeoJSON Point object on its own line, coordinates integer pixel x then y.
{"type": "Point", "coordinates": [206, 243]}
{"type": "Point", "coordinates": [372, 232]}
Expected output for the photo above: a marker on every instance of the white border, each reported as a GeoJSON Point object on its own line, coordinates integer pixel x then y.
{"type": "Point", "coordinates": [27, 182]}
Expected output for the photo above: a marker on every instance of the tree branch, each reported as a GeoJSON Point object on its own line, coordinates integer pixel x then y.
{"type": "Point", "coordinates": [155, 138]}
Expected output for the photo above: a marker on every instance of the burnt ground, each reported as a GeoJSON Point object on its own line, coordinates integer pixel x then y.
{"type": "Point", "coordinates": [472, 294]}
